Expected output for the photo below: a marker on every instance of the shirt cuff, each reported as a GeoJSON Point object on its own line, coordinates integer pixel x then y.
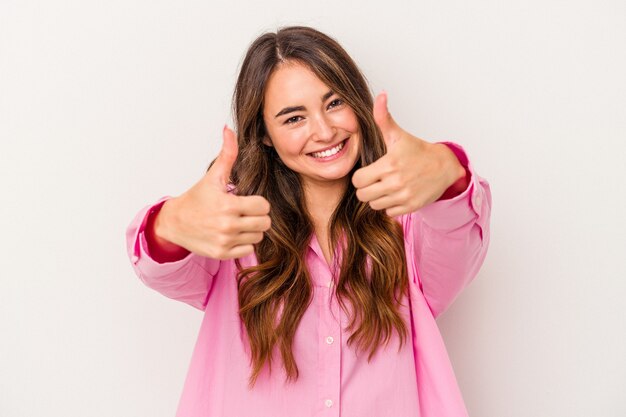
{"type": "Point", "coordinates": [141, 256]}
{"type": "Point", "coordinates": [455, 212]}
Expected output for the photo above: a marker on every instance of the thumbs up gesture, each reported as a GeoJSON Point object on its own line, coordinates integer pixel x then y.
{"type": "Point", "coordinates": [210, 221]}
{"type": "Point", "coordinates": [412, 174]}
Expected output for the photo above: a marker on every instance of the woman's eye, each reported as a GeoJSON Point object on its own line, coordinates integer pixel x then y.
{"type": "Point", "coordinates": [336, 102]}
{"type": "Point", "coordinates": [293, 119]}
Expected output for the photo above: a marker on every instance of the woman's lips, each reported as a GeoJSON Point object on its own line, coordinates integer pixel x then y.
{"type": "Point", "coordinates": [330, 151]}
{"type": "Point", "coordinates": [328, 156]}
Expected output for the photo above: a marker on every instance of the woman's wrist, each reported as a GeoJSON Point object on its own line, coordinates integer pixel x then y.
{"type": "Point", "coordinates": [161, 249]}
{"type": "Point", "coordinates": [462, 177]}
{"type": "Point", "coordinates": [458, 187]}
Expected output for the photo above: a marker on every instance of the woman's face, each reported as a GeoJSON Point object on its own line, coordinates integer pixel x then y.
{"type": "Point", "coordinates": [313, 131]}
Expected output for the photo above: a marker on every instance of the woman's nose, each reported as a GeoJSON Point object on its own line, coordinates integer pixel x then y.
{"type": "Point", "coordinates": [322, 130]}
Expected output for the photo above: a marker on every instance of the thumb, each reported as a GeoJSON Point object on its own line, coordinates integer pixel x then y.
{"type": "Point", "coordinates": [383, 118]}
{"type": "Point", "coordinates": [223, 165]}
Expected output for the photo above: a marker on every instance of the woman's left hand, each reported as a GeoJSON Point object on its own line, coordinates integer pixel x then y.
{"type": "Point", "coordinates": [412, 174]}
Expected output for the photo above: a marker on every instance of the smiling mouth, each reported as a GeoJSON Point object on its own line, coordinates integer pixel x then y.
{"type": "Point", "coordinates": [329, 152]}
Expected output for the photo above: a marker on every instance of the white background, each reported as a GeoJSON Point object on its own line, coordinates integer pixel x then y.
{"type": "Point", "coordinates": [107, 106]}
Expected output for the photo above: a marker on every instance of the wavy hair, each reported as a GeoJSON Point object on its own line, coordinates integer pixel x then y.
{"type": "Point", "coordinates": [275, 293]}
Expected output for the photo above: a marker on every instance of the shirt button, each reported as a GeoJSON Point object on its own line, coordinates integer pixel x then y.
{"type": "Point", "coordinates": [476, 201]}
{"type": "Point", "coordinates": [330, 340]}
{"type": "Point", "coordinates": [135, 258]}
{"type": "Point", "coordinates": [329, 403]}
{"type": "Point", "coordinates": [330, 284]}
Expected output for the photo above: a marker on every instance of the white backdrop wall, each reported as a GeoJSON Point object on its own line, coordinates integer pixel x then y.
{"type": "Point", "coordinates": [106, 106]}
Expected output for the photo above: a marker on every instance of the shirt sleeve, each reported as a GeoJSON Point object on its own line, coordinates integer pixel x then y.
{"type": "Point", "coordinates": [450, 239]}
{"type": "Point", "coordinates": [188, 280]}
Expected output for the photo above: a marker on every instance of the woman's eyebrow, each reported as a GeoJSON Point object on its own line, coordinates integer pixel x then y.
{"type": "Point", "coordinates": [327, 95]}
{"type": "Point", "coordinates": [300, 108]}
{"type": "Point", "coordinates": [289, 110]}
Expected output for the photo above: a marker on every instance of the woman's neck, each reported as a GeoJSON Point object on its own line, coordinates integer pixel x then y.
{"type": "Point", "coordinates": [322, 200]}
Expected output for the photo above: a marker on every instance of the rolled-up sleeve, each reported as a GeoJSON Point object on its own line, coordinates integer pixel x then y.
{"type": "Point", "coordinates": [188, 280]}
{"type": "Point", "coordinates": [451, 238]}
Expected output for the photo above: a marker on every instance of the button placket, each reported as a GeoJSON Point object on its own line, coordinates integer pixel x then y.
{"type": "Point", "coordinates": [329, 355]}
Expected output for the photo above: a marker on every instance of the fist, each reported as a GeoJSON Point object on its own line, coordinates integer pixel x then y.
{"type": "Point", "coordinates": [210, 221]}
{"type": "Point", "coordinates": [412, 174]}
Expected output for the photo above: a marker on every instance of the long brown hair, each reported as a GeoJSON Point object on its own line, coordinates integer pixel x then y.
{"type": "Point", "coordinates": [274, 294]}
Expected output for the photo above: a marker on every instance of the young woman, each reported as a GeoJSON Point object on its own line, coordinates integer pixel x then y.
{"type": "Point", "coordinates": [321, 245]}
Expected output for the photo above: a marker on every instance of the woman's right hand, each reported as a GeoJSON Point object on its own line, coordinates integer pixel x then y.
{"type": "Point", "coordinates": [210, 221]}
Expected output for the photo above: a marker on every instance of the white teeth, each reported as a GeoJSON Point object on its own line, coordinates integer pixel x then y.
{"type": "Point", "coordinates": [328, 152]}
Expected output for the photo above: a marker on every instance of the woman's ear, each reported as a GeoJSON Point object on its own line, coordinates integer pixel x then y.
{"type": "Point", "coordinates": [267, 141]}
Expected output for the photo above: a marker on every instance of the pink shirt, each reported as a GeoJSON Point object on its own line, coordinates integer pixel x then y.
{"type": "Point", "coordinates": [446, 243]}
